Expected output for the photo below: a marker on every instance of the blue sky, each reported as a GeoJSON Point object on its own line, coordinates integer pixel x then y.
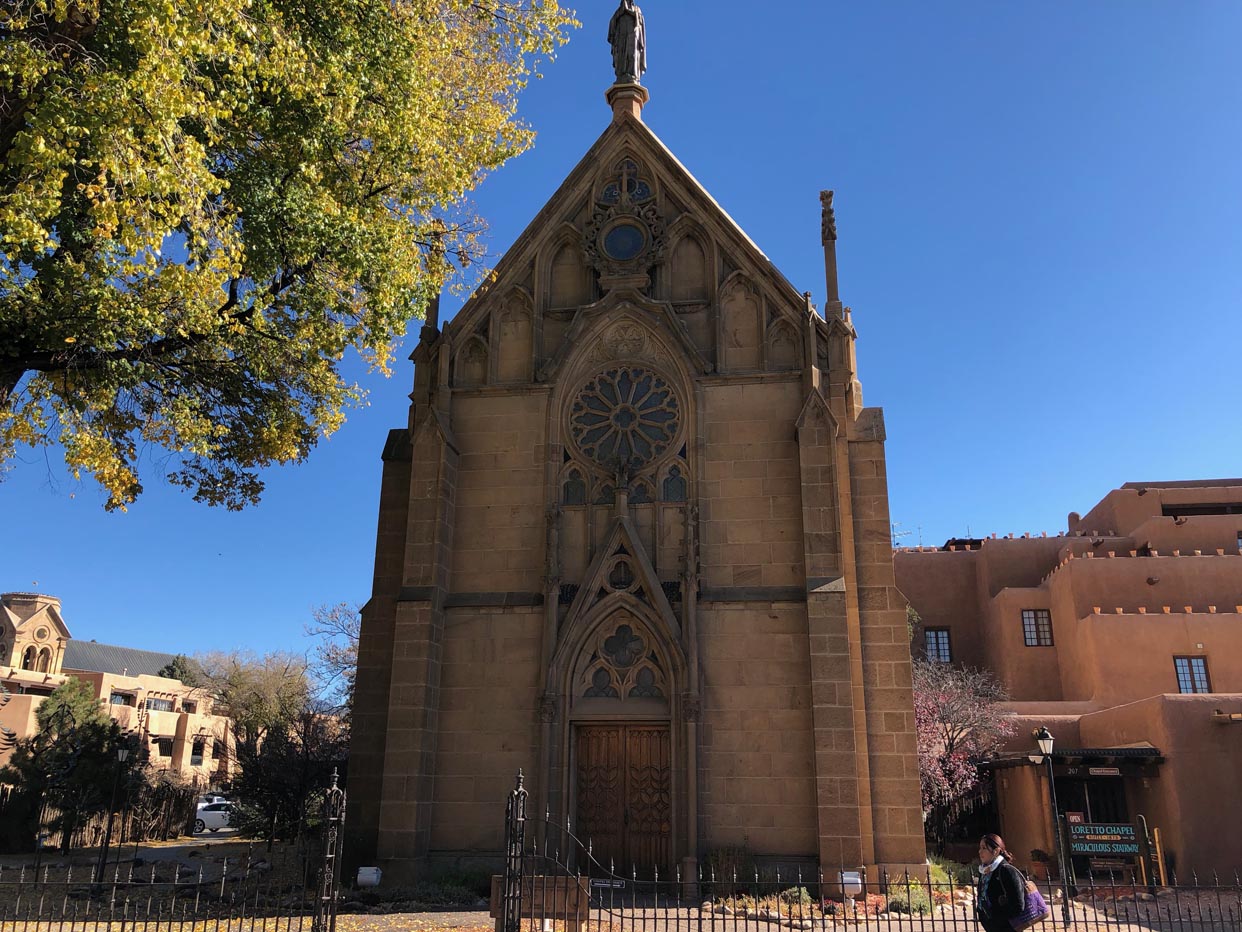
{"type": "Point", "coordinates": [1040, 218]}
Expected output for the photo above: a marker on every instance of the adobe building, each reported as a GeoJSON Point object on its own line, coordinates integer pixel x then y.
{"type": "Point", "coordinates": [634, 540]}
{"type": "Point", "coordinates": [1124, 638]}
{"type": "Point", "coordinates": [37, 654]}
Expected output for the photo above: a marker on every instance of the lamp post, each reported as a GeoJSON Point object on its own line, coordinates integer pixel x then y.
{"type": "Point", "coordinates": [122, 754]}
{"type": "Point", "coordinates": [1044, 740]}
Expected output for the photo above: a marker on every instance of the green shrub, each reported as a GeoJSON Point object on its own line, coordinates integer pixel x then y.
{"type": "Point", "coordinates": [910, 898]}
{"type": "Point", "coordinates": [942, 869]}
{"type": "Point", "coordinates": [795, 896]}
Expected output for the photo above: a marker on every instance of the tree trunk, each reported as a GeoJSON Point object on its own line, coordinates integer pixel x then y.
{"type": "Point", "coordinates": [9, 377]}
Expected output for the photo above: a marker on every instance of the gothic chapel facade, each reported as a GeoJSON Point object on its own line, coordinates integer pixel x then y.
{"type": "Point", "coordinates": [635, 541]}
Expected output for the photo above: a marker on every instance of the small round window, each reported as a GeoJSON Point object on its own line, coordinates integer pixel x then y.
{"type": "Point", "coordinates": [625, 241]}
{"type": "Point", "coordinates": [41, 634]}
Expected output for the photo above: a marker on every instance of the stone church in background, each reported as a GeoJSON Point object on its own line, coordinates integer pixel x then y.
{"type": "Point", "coordinates": [635, 541]}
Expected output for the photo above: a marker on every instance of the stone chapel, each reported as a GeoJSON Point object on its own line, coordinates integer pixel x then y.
{"type": "Point", "coordinates": [634, 540]}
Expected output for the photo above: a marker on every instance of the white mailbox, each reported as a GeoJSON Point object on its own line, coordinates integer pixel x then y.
{"type": "Point", "coordinates": [851, 883]}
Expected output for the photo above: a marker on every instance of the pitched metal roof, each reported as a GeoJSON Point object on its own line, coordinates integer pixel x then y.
{"type": "Point", "coordinates": [93, 657]}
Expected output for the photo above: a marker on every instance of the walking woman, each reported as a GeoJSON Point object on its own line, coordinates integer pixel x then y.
{"type": "Point", "coordinates": [1001, 894]}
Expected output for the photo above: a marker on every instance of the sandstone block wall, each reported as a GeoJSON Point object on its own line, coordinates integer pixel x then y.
{"type": "Point", "coordinates": [750, 497]}
{"type": "Point", "coordinates": [489, 686]}
{"type": "Point", "coordinates": [756, 768]}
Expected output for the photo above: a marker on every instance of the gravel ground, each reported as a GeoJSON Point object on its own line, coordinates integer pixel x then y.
{"type": "Point", "coordinates": [415, 922]}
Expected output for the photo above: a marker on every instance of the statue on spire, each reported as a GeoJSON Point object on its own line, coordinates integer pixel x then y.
{"type": "Point", "coordinates": [627, 34]}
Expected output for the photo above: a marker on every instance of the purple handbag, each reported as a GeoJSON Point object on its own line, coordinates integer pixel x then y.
{"type": "Point", "coordinates": [1036, 910]}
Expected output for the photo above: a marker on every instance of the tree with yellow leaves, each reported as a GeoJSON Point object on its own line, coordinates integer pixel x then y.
{"type": "Point", "coordinates": [205, 203]}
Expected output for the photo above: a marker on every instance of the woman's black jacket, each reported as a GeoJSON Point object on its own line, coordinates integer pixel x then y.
{"type": "Point", "coordinates": [1006, 895]}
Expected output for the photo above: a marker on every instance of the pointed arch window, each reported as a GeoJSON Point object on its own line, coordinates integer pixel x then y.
{"type": "Point", "coordinates": [627, 179]}
{"type": "Point", "coordinates": [573, 490]}
{"type": "Point", "coordinates": [640, 493]}
{"type": "Point", "coordinates": [675, 488]}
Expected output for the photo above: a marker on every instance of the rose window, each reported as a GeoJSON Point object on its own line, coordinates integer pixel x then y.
{"type": "Point", "coordinates": [625, 417]}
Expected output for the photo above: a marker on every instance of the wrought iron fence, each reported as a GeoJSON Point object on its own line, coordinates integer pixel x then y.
{"type": "Point", "coordinates": [553, 880]}
{"type": "Point", "coordinates": [243, 893]}
{"type": "Point", "coordinates": [241, 896]}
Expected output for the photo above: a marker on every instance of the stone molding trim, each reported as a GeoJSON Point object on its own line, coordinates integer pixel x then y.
{"type": "Point", "coordinates": [472, 599]}
{"type": "Point", "coordinates": [753, 594]}
{"type": "Point", "coordinates": [493, 599]}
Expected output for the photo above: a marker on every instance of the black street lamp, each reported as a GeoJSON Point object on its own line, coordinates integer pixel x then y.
{"type": "Point", "coordinates": [122, 753]}
{"type": "Point", "coordinates": [1044, 740]}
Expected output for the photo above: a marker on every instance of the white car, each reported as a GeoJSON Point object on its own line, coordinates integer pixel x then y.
{"type": "Point", "coordinates": [208, 798]}
{"type": "Point", "coordinates": [212, 817]}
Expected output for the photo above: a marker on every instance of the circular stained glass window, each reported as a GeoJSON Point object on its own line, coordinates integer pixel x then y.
{"type": "Point", "coordinates": [625, 241]}
{"type": "Point", "coordinates": [625, 416]}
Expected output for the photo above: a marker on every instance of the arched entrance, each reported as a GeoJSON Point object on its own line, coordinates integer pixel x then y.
{"type": "Point", "coordinates": [621, 771]}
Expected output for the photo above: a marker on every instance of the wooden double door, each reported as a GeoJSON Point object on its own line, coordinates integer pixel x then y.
{"type": "Point", "coordinates": [624, 791]}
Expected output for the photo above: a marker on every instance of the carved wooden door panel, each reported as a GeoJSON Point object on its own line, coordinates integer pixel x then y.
{"type": "Point", "coordinates": [601, 792]}
{"type": "Point", "coordinates": [649, 804]}
{"type": "Point", "coordinates": [625, 796]}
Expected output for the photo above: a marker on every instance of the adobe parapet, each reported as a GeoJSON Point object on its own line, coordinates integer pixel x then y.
{"type": "Point", "coordinates": [1070, 556]}
{"type": "Point", "coordinates": [1163, 610]}
{"type": "Point", "coordinates": [972, 545]}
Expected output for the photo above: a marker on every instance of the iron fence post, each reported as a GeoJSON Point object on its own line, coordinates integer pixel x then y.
{"type": "Point", "coordinates": [515, 855]}
{"type": "Point", "coordinates": [330, 864]}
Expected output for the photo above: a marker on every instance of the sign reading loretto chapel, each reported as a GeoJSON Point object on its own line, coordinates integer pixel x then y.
{"type": "Point", "coordinates": [634, 540]}
{"type": "Point", "coordinates": [1103, 838]}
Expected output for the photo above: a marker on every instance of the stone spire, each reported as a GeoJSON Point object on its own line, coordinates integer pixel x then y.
{"type": "Point", "coordinates": [828, 235]}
